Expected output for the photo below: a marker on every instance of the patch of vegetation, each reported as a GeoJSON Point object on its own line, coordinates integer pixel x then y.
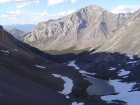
{"type": "Point", "coordinates": [66, 51]}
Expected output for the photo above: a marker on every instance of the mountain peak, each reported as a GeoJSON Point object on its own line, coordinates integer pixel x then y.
{"type": "Point", "coordinates": [85, 28]}
{"type": "Point", "coordinates": [92, 8]}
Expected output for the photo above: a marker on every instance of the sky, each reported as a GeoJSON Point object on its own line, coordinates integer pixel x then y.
{"type": "Point", "coordinates": [35, 11]}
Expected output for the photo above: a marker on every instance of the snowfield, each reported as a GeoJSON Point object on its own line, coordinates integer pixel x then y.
{"type": "Point", "coordinates": [132, 98]}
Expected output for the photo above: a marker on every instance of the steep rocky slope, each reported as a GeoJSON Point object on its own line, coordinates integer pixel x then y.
{"type": "Point", "coordinates": [126, 39]}
{"type": "Point", "coordinates": [26, 78]}
{"type": "Point", "coordinates": [84, 28]}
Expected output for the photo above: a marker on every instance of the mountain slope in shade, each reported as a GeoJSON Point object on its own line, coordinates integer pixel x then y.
{"type": "Point", "coordinates": [126, 39]}
{"type": "Point", "coordinates": [18, 33]}
{"type": "Point", "coordinates": [84, 28]}
{"type": "Point", "coordinates": [26, 78]}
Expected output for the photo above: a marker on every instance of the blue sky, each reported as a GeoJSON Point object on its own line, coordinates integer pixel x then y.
{"type": "Point", "coordinates": [35, 11]}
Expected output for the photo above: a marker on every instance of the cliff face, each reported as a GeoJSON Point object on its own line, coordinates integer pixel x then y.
{"type": "Point", "coordinates": [84, 28]}
{"type": "Point", "coordinates": [126, 39]}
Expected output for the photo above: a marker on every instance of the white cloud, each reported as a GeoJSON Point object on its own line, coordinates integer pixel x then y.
{"type": "Point", "coordinates": [54, 2]}
{"type": "Point", "coordinates": [125, 9]}
{"type": "Point", "coordinates": [12, 14]}
{"type": "Point", "coordinates": [44, 16]}
{"type": "Point", "coordinates": [73, 1]}
{"type": "Point", "coordinates": [3, 1]}
{"type": "Point", "coordinates": [22, 3]}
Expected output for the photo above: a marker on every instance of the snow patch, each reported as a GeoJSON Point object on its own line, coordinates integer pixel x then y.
{"type": "Point", "coordinates": [42, 67]}
{"type": "Point", "coordinates": [123, 72]}
{"type": "Point", "coordinates": [72, 63]}
{"type": "Point", "coordinates": [56, 75]}
{"type": "Point", "coordinates": [75, 103]}
{"type": "Point", "coordinates": [4, 51]}
{"type": "Point", "coordinates": [67, 85]}
{"type": "Point", "coordinates": [131, 56]}
{"type": "Point", "coordinates": [131, 62]}
{"type": "Point", "coordinates": [112, 68]}
{"type": "Point", "coordinates": [121, 86]}
{"type": "Point", "coordinates": [125, 76]}
{"type": "Point", "coordinates": [84, 72]}
{"type": "Point", "coordinates": [132, 98]}
{"type": "Point", "coordinates": [15, 49]}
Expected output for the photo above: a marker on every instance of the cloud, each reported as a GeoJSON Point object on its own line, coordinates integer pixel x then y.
{"type": "Point", "coordinates": [44, 16]}
{"type": "Point", "coordinates": [22, 3]}
{"type": "Point", "coordinates": [12, 14]}
{"type": "Point", "coordinates": [125, 9]}
{"type": "Point", "coordinates": [73, 1]}
{"type": "Point", "coordinates": [54, 2]}
{"type": "Point", "coordinates": [3, 1]}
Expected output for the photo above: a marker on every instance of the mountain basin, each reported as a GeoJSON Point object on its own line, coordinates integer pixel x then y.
{"type": "Point", "coordinates": [99, 86]}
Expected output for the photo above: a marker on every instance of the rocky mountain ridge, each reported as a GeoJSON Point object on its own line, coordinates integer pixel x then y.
{"type": "Point", "coordinates": [85, 28]}
{"type": "Point", "coordinates": [126, 38]}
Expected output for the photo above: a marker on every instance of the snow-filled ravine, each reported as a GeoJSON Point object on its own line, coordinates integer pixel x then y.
{"type": "Point", "coordinates": [123, 89]}
{"type": "Point", "coordinates": [67, 85]}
